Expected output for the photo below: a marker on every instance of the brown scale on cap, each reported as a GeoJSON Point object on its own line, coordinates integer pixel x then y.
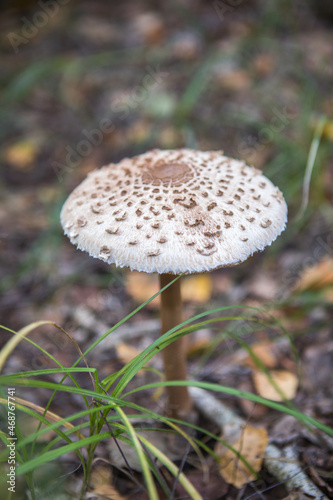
{"type": "Point", "coordinates": [121, 217]}
{"type": "Point", "coordinates": [211, 206]}
{"type": "Point", "coordinates": [112, 231]}
{"type": "Point", "coordinates": [179, 201]}
{"type": "Point", "coordinates": [154, 211]}
{"type": "Point", "coordinates": [265, 223]}
{"type": "Point", "coordinates": [82, 222]}
{"type": "Point", "coordinates": [95, 209]}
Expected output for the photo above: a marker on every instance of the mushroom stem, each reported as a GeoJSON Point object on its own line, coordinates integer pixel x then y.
{"type": "Point", "coordinates": [174, 355]}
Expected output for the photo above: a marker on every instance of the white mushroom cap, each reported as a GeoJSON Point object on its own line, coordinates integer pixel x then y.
{"type": "Point", "coordinates": [174, 211]}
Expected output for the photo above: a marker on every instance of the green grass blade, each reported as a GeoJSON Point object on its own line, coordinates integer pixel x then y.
{"type": "Point", "coordinates": [52, 455]}
{"type": "Point", "coordinates": [141, 456]}
{"type": "Point", "coordinates": [188, 486]}
{"type": "Point", "coordinates": [305, 419]}
{"type": "Point", "coordinates": [176, 332]}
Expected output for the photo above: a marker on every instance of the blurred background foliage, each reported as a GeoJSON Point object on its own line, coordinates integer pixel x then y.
{"type": "Point", "coordinates": [86, 83]}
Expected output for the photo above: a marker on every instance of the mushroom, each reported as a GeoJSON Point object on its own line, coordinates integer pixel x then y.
{"type": "Point", "coordinates": [172, 212]}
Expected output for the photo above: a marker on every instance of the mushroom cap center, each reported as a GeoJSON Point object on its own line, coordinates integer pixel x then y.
{"type": "Point", "coordinates": [167, 173]}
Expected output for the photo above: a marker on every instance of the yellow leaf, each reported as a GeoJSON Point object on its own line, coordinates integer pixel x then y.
{"type": "Point", "coordinates": [139, 131]}
{"type": "Point", "coordinates": [328, 128]}
{"type": "Point", "coordinates": [263, 351]}
{"type": "Point", "coordinates": [234, 79]}
{"type": "Point", "coordinates": [126, 353]}
{"type": "Point", "coordinates": [286, 381]}
{"type": "Point", "coordinates": [105, 491]}
{"type": "Point", "coordinates": [197, 288]}
{"type": "Point", "coordinates": [251, 444]}
{"type": "Point", "coordinates": [100, 475]}
{"type": "Point", "coordinates": [141, 286]}
{"type": "Point", "coordinates": [168, 137]}
{"type": "Point", "coordinates": [22, 154]}
{"type": "Point", "coordinates": [101, 483]}
{"type": "Point", "coordinates": [264, 64]}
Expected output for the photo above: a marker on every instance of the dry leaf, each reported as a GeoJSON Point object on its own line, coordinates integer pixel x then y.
{"type": "Point", "coordinates": [101, 482]}
{"type": "Point", "coordinates": [139, 131]}
{"type": "Point", "coordinates": [264, 64]}
{"type": "Point", "coordinates": [251, 443]}
{"type": "Point", "coordinates": [187, 45]}
{"type": "Point", "coordinates": [234, 79]}
{"type": "Point", "coordinates": [286, 381]}
{"type": "Point", "coordinates": [316, 277]}
{"type": "Point", "coordinates": [168, 137]}
{"type": "Point", "coordinates": [141, 286]}
{"type": "Point", "coordinates": [105, 491]}
{"type": "Point", "coordinates": [263, 351]}
{"type": "Point", "coordinates": [22, 154]}
{"type": "Point", "coordinates": [126, 353]}
{"type": "Point", "coordinates": [197, 288]}
{"type": "Point", "coordinates": [150, 26]}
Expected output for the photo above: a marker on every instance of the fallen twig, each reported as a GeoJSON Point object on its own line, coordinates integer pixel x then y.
{"type": "Point", "coordinates": [282, 463]}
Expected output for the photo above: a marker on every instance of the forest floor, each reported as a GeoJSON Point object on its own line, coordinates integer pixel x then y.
{"type": "Point", "coordinates": [254, 80]}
